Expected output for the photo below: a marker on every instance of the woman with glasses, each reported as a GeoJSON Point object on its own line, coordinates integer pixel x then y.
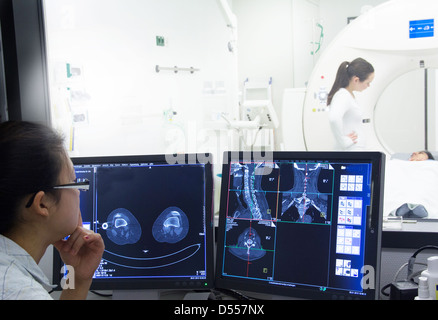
{"type": "Point", "coordinates": [39, 206]}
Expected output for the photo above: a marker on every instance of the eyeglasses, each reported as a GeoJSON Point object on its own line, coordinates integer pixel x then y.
{"type": "Point", "coordinates": [82, 185]}
{"type": "Point", "coordinates": [79, 184]}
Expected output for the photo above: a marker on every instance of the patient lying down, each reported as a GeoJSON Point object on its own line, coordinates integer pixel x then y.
{"type": "Point", "coordinates": [411, 188]}
{"type": "Point", "coordinates": [409, 210]}
{"type": "Point", "coordinates": [421, 156]}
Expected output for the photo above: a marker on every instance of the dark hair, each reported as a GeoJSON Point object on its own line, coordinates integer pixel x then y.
{"type": "Point", "coordinates": [31, 160]}
{"type": "Point", "coordinates": [429, 155]}
{"type": "Point", "coordinates": [347, 70]}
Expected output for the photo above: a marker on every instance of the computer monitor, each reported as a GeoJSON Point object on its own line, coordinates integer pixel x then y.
{"type": "Point", "coordinates": [155, 215]}
{"type": "Point", "coordinates": [301, 224]}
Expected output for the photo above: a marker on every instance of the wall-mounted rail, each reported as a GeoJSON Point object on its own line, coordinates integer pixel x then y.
{"type": "Point", "coordinates": [176, 69]}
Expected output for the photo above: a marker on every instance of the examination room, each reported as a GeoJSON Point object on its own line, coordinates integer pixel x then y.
{"type": "Point", "coordinates": [218, 150]}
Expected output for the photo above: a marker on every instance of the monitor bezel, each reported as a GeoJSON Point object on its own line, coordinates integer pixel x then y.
{"type": "Point", "coordinates": [164, 283]}
{"type": "Point", "coordinates": [373, 229]}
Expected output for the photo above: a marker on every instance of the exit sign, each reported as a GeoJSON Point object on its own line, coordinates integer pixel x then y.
{"type": "Point", "coordinates": [161, 42]}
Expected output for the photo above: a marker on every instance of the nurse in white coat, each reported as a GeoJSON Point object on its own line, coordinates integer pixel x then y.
{"type": "Point", "coordinates": [345, 114]}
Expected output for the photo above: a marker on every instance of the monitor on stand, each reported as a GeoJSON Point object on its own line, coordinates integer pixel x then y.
{"type": "Point", "coordinates": [155, 215]}
{"type": "Point", "coordinates": [301, 224]}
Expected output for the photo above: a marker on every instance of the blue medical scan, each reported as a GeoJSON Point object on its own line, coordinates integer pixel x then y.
{"type": "Point", "coordinates": [122, 227]}
{"type": "Point", "coordinates": [280, 210]}
{"type": "Point", "coordinates": [171, 226]}
{"type": "Point", "coordinates": [248, 246]}
{"type": "Point", "coordinates": [151, 222]}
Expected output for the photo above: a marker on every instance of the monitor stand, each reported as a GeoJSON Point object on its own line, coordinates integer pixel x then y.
{"type": "Point", "coordinates": [136, 294]}
{"type": "Point", "coordinates": [159, 295]}
{"type": "Point", "coordinates": [201, 295]}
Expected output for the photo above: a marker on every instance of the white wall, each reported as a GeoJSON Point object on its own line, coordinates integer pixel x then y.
{"type": "Point", "coordinates": [306, 35]}
{"type": "Point", "coordinates": [265, 42]}
{"type": "Point", "coordinates": [334, 14]}
{"type": "Point", "coordinates": [275, 41]}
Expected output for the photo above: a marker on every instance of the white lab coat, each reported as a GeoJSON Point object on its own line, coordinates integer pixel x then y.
{"type": "Point", "coordinates": [345, 117]}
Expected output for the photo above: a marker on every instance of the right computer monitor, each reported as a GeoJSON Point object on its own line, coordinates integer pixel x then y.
{"type": "Point", "coordinates": [301, 224]}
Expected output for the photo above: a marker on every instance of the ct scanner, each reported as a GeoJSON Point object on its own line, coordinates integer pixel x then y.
{"type": "Point", "coordinates": [396, 37]}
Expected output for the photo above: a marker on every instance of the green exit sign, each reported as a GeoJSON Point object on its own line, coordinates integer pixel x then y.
{"type": "Point", "coordinates": [160, 41]}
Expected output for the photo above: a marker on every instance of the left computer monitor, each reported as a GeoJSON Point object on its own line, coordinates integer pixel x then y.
{"type": "Point", "coordinates": [155, 215]}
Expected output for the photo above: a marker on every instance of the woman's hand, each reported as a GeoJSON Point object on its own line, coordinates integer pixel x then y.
{"type": "Point", "coordinates": [83, 251]}
{"type": "Point", "coordinates": [353, 137]}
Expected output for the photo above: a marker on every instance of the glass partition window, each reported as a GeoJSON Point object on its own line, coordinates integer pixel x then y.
{"type": "Point", "coordinates": [107, 95]}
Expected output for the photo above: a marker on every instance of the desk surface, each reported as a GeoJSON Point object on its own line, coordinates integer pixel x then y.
{"type": "Point", "coordinates": [410, 234]}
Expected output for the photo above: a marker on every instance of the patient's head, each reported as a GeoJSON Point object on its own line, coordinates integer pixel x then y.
{"type": "Point", "coordinates": [421, 156]}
